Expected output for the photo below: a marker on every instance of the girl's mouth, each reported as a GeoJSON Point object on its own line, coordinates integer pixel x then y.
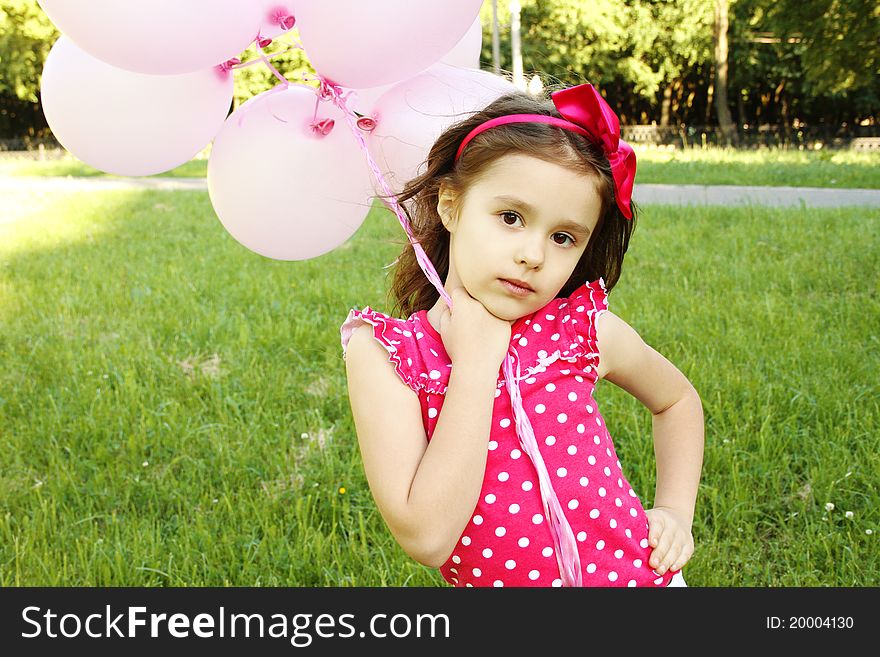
{"type": "Point", "coordinates": [515, 289]}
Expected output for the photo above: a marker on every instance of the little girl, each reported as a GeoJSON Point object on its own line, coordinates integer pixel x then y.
{"type": "Point", "coordinates": [525, 211]}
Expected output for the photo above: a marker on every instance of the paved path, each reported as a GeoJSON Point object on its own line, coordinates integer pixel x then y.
{"type": "Point", "coordinates": [647, 194]}
{"type": "Point", "coordinates": [815, 197]}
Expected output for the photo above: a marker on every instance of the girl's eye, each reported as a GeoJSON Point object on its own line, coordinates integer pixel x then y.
{"type": "Point", "coordinates": [507, 213]}
{"type": "Point", "coordinates": [568, 237]}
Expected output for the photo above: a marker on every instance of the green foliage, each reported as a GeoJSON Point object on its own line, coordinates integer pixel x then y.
{"type": "Point", "coordinates": [292, 64]}
{"type": "Point", "coordinates": [669, 39]}
{"type": "Point", "coordinates": [838, 42]}
{"type": "Point", "coordinates": [812, 60]}
{"type": "Point", "coordinates": [26, 36]}
{"type": "Point", "coordinates": [647, 44]}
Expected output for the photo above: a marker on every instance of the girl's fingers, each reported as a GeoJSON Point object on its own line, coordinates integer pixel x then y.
{"type": "Point", "coordinates": [664, 542]}
{"type": "Point", "coordinates": [686, 553]}
{"type": "Point", "coordinates": [670, 549]}
{"type": "Point", "coordinates": [671, 557]}
{"type": "Point", "coordinates": [655, 529]}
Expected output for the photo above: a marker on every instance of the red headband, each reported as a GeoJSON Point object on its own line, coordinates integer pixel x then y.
{"type": "Point", "coordinates": [586, 113]}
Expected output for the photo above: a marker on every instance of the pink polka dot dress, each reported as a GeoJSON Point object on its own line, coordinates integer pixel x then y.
{"type": "Point", "coordinates": [508, 540]}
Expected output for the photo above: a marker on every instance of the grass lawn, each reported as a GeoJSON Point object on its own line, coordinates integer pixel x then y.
{"type": "Point", "coordinates": [713, 166]}
{"type": "Point", "coordinates": [173, 407]}
{"type": "Point", "coordinates": [723, 166]}
{"type": "Point", "coordinates": [70, 166]}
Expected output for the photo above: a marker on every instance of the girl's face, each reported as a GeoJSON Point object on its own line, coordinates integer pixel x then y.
{"type": "Point", "coordinates": [525, 219]}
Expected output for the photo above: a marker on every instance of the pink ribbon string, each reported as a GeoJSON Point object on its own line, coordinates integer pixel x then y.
{"type": "Point", "coordinates": [334, 94]}
{"type": "Point", "coordinates": [266, 61]}
{"type": "Point", "coordinates": [567, 557]}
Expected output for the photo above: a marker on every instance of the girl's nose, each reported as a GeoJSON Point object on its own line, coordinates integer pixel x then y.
{"type": "Point", "coordinates": [530, 252]}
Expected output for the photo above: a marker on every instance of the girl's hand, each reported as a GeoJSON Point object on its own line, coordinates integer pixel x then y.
{"type": "Point", "coordinates": [669, 534]}
{"type": "Point", "coordinates": [471, 333]}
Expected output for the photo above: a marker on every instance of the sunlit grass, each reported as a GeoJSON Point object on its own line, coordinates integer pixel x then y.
{"type": "Point", "coordinates": [762, 167]}
{"type": "Point", "coordinates": [70, 166]}
{"type": "Point", "coordinates": [710, 166]}
{"type": "Point", "coordinates": [173, 407]}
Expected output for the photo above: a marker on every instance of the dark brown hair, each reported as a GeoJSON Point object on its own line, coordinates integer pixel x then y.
{"type": "Point", "coordinates": [410, 289]}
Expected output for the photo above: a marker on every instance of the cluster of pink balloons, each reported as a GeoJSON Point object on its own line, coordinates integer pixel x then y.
{"type": "Point", "coordinates": [140, 87]}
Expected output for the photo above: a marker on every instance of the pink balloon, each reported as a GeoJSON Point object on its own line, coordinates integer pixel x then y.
{"type": "Point", "coordinates": [281, 187]}
{"type": "Point", "coordinates": [466, 54]}
{"type": "Point", "coordinates": [467, 51]}
{"type": "Point", "coordinates": [412, 114]}
{"type": "Point", "coordinates": [367, 44]}
{"type": "Point", "coordinates": [162, 37]}
{"type": "Point", "coordinates": [276, 17]}
{"type": "Point", "coordinates": [128, 123]}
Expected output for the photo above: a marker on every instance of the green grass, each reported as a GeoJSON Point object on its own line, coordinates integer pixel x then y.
{"type": "Point", "coordinates": [69, 166]}
{"type": "Point", "coordinates": [765, 167]}
{"type": "Point", "coordinates": [173, 407]}
{"type": "Point", "coordinates": [712, 166]}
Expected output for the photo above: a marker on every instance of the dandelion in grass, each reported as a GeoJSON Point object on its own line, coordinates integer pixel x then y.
{"type": "Point", "coordinates": [342, 490]}
{"type": "Point", "coordinates": [849, 515]}
{"type": "Point", "coordinates": [829, 506]}
{"type": "Point", "coordinates": [145, 463]}
{"type": "Point", "coordinates": [869, 531]}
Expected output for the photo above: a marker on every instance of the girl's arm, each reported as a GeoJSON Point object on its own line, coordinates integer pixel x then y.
{"type": "Point", "coordinates": [425, 491]}
{"type": "Point", "coordinates": [677, 412]}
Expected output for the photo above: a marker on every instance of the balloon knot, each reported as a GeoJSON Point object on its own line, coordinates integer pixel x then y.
{"type": "Point", "coordinates": [263, 42]}
{"type": "Point", "coordinates": [328, 89]}
{"type": "Point", "coordinates": [228, 64]}
{"type": "Point", "coordinates": [366, 123]}
{"type": "Point", "coordinates": [286, 22]}
{"type": "Point", "coordinates": [223, 70]}
{"type": "Point", "coordinates": [324, 126]}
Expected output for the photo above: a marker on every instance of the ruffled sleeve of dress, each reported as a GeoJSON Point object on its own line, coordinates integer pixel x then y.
{"type": "Point", "coordinates": [583, 308]}
{"type": "Point", "coordinates": [403, 340]}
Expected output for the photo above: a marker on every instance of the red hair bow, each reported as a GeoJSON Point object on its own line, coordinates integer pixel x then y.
{"type": "Point", "coordinates": [583, 106]}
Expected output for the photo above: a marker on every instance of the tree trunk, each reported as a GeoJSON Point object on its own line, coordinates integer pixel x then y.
{"type": "Point", "coordinates": [496, 47]}
{"type": "Point", "coordinates": [710, 92]}
{"type": "Point", "coordinates": [781, 103]}
{"type": "Point", "coordinates": [723, 111]}
{"type": "Point", "coordinates": [664, 106]}
{"type": "Point", "coordinates": [516, 54]}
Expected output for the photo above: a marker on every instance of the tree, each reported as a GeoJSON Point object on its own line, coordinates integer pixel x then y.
{"type": "Point", "coordinates": [496, 47]}
{"type": "Point", "coordinates": [26, 36]}
{"type": "Point", "coordinates": [810, 61]}
{"type": "Point", "coordinates": [720, 84]}
{"type": "Point", "coordinates": [837, 41]}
